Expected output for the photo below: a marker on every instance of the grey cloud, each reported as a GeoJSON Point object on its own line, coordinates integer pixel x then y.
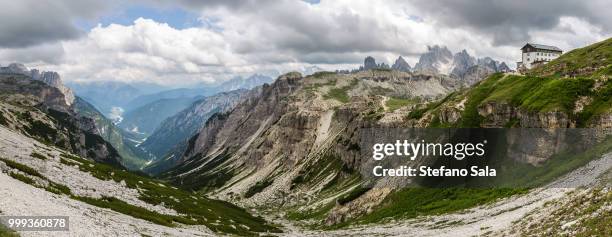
{"type": "Point", "coordinates": [508, 21]}
{"type": "Point", "coordinates": [196, 5]}
{"type": "Point", "coordinates": [27, 23]}
{"type": "Point", "coordinates": [42, 53]}
{"type": "Point", "coordinates": [292, 27]}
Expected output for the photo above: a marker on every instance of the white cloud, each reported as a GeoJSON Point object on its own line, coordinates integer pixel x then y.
{"type": "Point", "coordinates": [146, 51]}
{"type": "Point", "coordinates": [279, 36]}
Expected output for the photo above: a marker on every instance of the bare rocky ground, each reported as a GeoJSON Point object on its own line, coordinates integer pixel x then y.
{"type": "Point", "coordinates": [21, 199]}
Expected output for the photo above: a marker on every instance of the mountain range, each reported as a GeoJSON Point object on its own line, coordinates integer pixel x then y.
{"type": "Point", "coordinates": [289, 156]}
{"type": "Point", "coordinates": [440, 60]}
{"type": "Point", "coordinates": [296, 145]}
{"type": "Point", "coordinates": [173, 133]}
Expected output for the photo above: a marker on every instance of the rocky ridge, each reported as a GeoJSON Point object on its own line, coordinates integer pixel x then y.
{"type": "Point", "coordinates": [174, 132]}
{"type": "Point", "coordinates": [401, 65]}
{"type": "Point", "coordinates": [50, 78]}
{"type": "Point", "coordinates": [38, 110]}
{"type": "Point", "coordinates": [290, 127]}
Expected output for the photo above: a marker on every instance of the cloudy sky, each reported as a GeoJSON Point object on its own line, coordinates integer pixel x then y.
{"type": "Point", "coordinates": [190, 41]}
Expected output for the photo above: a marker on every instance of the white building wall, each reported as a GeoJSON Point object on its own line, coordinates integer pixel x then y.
{"type": "Point", "coordinates": [530, 57]}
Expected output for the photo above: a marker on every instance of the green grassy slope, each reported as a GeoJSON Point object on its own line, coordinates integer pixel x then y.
{"type": "Point", "coordinates": [582, 74]}
{"type": "Point", "coordinates": [595, 59]}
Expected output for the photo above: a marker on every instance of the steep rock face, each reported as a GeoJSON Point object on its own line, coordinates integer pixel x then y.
{"type": "Point", "coordinates": [463, 66]}
{"type": "Point", "coordinates": [50, 78]}
{"type": "Point", "coordinates": [283, 136]}
{"type": "Point", "coordinates": [145, 119]}
{"type": "Point", "coordinates": [53, 79]}
{"type": "Point", "coordinates": [462, 61]}
{"type": "Point", "coordinates": [132, 156]}
{"type": "Point", "coordinates": [499, 114]}
{"type": "Point", "coordinates": [369, 63]}
{"type": "Point", "coordinates": [40, 111]}
{"type": "Point", "coordinates": [185, 124]}
{"type": "Point", "coordinates": [602, 121]}
{"type": "Point", "coordinates": [231, 145]}
{"type": "Point", "coordinates": [437, 59]}
{"type": "Point", "coordinates": [502, 67]}
{"type": "Point", "coordinates": [401, 65]}
{"type": "Point", "coordinates": [255, 112]}
{"type": "Point", "coordinates": [475, 73]}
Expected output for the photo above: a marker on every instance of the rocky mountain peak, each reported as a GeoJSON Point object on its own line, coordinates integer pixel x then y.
{"type": "Point", "coordinates": [463, 66]}
{"type": "Point", "coordinates": [437, 59]}
{"type": "Point", "coordinates": [50, 78]}
{"type": "Point", "coordinates": [369, 63]}
{"type": "Point", "coordinates": [491, 64]}
{"type": "Point", "coordinates": [503, 67]}
{"type": "Point", "coordinates": [462, 61]}
{"type": "Point", "coordinates": [16, 68]}
{"type": "Point", "coordinates": [401, 65]}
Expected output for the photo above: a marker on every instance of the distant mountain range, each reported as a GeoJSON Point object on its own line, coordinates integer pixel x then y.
{"type": "Point", "coordinates": [146, 118]}
{"type": "Point", "coordinates": [108, 94]}
{"type": "Point", "coordinates": [173, 133]}
{"type": "Point", "coordinates": [440, 60]}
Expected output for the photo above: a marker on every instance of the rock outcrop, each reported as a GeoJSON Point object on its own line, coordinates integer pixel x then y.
{"type": "Point", "coordinates": [437, 60]}
{"type": "Point", "coordinates": [462, 62]}
{"type": "Point", "coordinates": [369, 63]}
{"type": "Point", "coordinates": [50, 78]}
{"type": "Point", "coordinates": [179, 128]}
{"type": "Point", "coordinates": [463, 66]}
{"type": "Point", "coordinates": [401, 65]}
{"type": "Point", "coordinates": [40, 111]}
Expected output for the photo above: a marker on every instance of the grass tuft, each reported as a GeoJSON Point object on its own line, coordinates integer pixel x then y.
{"type": "Point", "coordinates": [38, 156]}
